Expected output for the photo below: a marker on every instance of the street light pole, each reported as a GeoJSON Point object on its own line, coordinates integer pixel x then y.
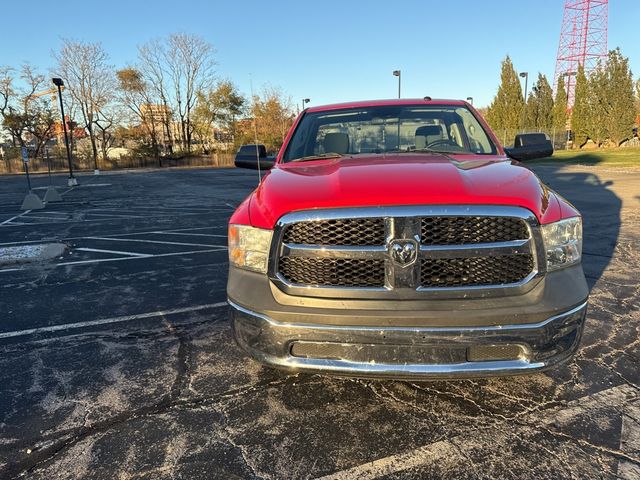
{"type": "Point", "coordinates": [305, 100]}
{"type": "Point", "coordinates": [524, 75]}
{"type": "Point", "coordinates": [398, 73]}
{"type": "Point", "coordinates": [59, 83]}
{"type": "Point", "coordinates": [568, 76]}
{"type": "Point", "coordinates": [470, 100]}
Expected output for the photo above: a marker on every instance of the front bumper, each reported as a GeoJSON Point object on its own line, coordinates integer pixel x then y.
{"type": "Point", "coordinates": [410, 352]}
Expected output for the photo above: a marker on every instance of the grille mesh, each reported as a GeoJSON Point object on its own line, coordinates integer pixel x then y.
{"type": "Point", "coordinates": [350, 231]}
{"type": "Point", "coordinates": [333, 271]}
{"type": "Point", "coordinates": [475, 271]}
{"type": "Point", "coordinates": [465, 230]}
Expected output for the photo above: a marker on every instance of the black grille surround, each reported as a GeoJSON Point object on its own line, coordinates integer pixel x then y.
{"type": "Point", "coordinates": [492, 250]}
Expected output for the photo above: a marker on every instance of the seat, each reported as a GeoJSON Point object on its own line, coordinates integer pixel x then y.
{"type": "Point", "coordinates": [336, 142]}
{"type": "Point", "coordinates": [428, 134]}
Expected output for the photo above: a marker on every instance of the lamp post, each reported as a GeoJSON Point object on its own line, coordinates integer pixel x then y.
{"type": "Point", "coordinates": [524, 75]}
{"type": "Point", "coordinates": [568, 76]}
{"type": "Point", "coordinates": [305, 100]}
{"type": "Point", "coordinates": [59, 83]}
{"type": "Point", "coordinates": [470, 100]}
{"type": "Point", "coordinates": [398, 73]}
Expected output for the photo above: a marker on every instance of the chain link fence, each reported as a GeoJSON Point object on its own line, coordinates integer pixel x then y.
{"type": "Point", "coordinates": [557, 137]}
{"type": "Point", "coordinates": [12, 163]}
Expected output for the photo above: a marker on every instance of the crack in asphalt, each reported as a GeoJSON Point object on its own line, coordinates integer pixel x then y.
{"type": "Point", "coordinates": [46, 454]}
{"type": "Point", "coordinates": [518, 419]}
{"type": "Point", "coordinates": [169, 402]}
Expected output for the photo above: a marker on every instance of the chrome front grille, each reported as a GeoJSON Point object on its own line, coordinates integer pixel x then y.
{"type": "Point", "coordinates": [349, 253]}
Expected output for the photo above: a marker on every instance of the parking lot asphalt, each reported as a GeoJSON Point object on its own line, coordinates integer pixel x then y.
{"type": "Point", "coordinates": [117, 360]}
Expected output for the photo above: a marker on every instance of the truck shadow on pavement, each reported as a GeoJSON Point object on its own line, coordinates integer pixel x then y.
{"type": "Point", "coordinates": [599, 205]}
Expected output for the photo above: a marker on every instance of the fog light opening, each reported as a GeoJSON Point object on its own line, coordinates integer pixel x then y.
{"type": "Point", "coordinates": [495, 353]}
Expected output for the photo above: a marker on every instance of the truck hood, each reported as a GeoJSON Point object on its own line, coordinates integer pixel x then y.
{"type": "Point", "coordinates": [399, 179]}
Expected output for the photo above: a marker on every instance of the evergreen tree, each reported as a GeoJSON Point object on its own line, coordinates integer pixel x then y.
{"type": "Point", "coordinates": [540, 105]}
{"type": "Point", "coordinates": [580, 120]}
{"type": "Point", "coordinates": [531, 111]}
{"type": "Point", "coordinates": [560, 107]}
{"type": "Point", "coordinates": [638, 103]}
{"type": "Point", "coordinates": [544, 95]}
{"type": "Point", "coordinates": [599, 92]}
{"type": "Point", "coordinates": [505, 112]}
{"type": "Point", "coordinates": [618, 99]}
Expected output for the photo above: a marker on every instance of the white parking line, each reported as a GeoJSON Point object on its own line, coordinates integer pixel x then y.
{"type": "Point", "coordinates": [43, 218]}
{"type": "Point", "coordinates": [42, 212]}
{"type": "Point", "coordinates": [107, 321]}
{"type": "Point", "coordinates": [13, 218]}
{"type": "Point", "coordinates": [111, 239]}
{"type": "Point", "coordinates": [193, 234]}
{"type": "Point", "coordinates": [103, 260]}
{"type": "Point", "coordinates": [115, 235]}
{"type": "Point", "coordinates": [113, 215]}
{"type": "Point", "coordinates": [629, 441]}
{"type": "Point", "coordinates": [115, 252]}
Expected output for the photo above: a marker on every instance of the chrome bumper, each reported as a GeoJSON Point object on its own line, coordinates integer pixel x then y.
{"type": "Point", "coordinates": [408, 352]}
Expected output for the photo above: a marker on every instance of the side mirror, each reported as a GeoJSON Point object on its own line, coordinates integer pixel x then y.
{"type": "Point", "coordinates": [529, 146]}
{"type": "Point", "coordinates": [249, 156]}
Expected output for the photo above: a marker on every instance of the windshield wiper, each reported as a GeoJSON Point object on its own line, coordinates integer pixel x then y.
{"type": "Point", "coordinates": [320, 156]}
{"type": "Point", "coordinates": [443, 152]}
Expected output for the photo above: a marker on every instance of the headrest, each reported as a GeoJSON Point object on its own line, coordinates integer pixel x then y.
{"type": "Point", "coordinates": [336, 142]}
{"type": "Point", "coordinates": [429, 131]}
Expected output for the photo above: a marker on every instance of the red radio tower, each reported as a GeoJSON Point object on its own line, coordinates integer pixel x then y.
{"type": "Point", "coordinates": [583, 41]}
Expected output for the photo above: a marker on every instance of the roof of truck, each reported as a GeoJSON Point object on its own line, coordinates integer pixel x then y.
{"type": "Point", "coordinates": [378, 103]}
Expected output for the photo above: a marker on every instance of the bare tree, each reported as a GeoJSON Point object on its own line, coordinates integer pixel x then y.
{"type": "Point", "coordinates": [106, 121]}
{"type": "Point", "coordinates": [190, 62]}
{"type": "Point", "coordinates": [7, 95]}
{"type": "Point", "coordinates": [152, 66]}
{"type": "Point", "coordinates": [37, 108]}
{"type": "Point", "coordinates": [26, 115]}
{"type": "Point", "coordinates": [90, 81]}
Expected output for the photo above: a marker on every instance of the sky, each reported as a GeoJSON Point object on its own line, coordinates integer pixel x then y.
{"type": "Point", "coordinates": [328, 51]}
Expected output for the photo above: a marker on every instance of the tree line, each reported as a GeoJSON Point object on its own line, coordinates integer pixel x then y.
{"type": "Point", "coordinates": [169, 102]}
{"type": "Point", "coordinates": [605, 111]}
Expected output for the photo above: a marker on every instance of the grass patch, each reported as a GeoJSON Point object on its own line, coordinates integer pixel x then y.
{"type": "Point", "coordinates": [614, 157]}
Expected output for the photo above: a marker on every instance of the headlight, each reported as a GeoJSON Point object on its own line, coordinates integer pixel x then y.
{"type": "Point", "coordinates": [249, 247]}
{"type": "Point", "coordinates": [563, 242]}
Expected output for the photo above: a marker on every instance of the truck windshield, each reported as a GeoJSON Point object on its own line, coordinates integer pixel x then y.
{"type": "Point", "coordinates": [448, 129]}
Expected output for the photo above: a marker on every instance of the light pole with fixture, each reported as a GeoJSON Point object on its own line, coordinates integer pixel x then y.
{"type": "Point", "coordinates": [398, 73]}
{"type": "Point", "coordinates": [568, 76]}
{"type": "Point", "coordinates": [524, 75]}
{"type": "Point", "coordinates": [59, 83]}
{"type": "Point", "coordinates": [305, 100]}
{"type": "Point", "coordinates": [470, 100]}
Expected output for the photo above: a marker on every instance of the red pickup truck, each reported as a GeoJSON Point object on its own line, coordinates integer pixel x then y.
{"type": "Point", "coordinates": [400, 239]}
